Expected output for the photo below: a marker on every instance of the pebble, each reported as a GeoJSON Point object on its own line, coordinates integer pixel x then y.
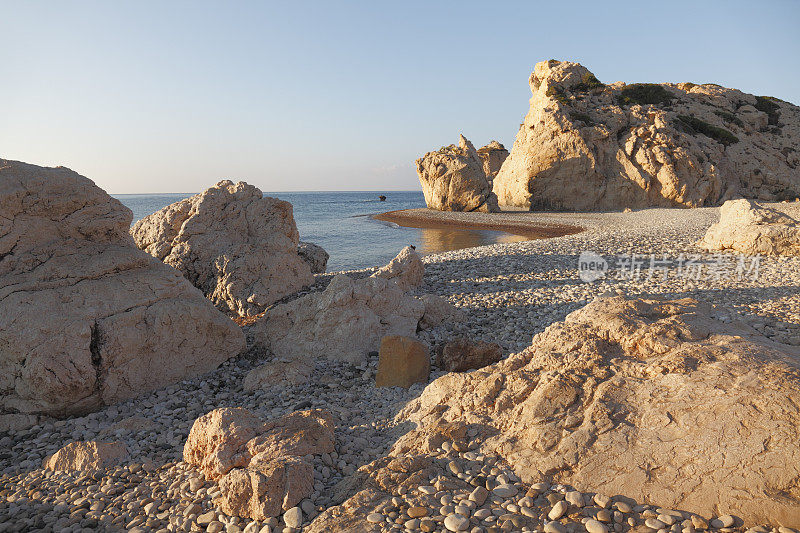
{"type": "Point", "coordinates": [593, 526]}
{"type": "Point", "coordinates": [293, 517]}
{"type": "Point", "coordinates": [558, 510]}
{"type": "Point", "coordinates": [506, 490]}
{"type": "Point", "coordinates": [456, 522]}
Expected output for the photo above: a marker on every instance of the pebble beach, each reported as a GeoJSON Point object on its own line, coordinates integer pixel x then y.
{"type": "Point", "coordinates": [507, 293]}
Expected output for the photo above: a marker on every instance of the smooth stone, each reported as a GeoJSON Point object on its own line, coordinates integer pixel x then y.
{"type": "Point", "coordinates": [558, 510]}
{"type": "Point", "coordinates": [479, 495]}
{"type": "Point", "coordinates": [506, 490]}
{"type": "Point", "coordinates": [456, 522]}
{"type": "Point", "coordinates": [554, 527]}
{"type": "Point", "coordinates": [593, 526]}
{"type": "Point", "coordinates": [417, 512]}
{"type": "Point", "coordinates": [293, 517]}
{"type": "Point", "coordinates": [375, 518]}
{"type": "Point", "coordinates": [654, 523]}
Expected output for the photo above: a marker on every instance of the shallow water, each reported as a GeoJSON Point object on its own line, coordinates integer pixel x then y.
{"type": "Point", "coordinates": [340, 222]}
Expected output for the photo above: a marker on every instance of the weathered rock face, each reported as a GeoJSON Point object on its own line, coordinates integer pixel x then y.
{"type": "Point", "coordinates": [493, 156]}
{"type": "Point", "coordinates": [315, 256]}
{"type": "Point", "coordinates": [85, 316]}
{"type": "Point", "coordinates": [588, 146]}
{"type": "Point", "coordinates": [237, 246]}
{"type": "Point", "coordinates": [405, 269]}
{"type": "Point", "coordinates": [461, 354]}
{"type": "Point", "coordinates": [344, 322]}
{"type": "Point", "coordinates": [89, 455]}
{"type": "Point", "coordinates": [673, 402]}
{"type": "Point", "coordinates": [748, 228]}
{"type": "Point", "coordinates": [259, 464]}
{"type": "Point", "coordinates": [453, 179]}
{"type": "Point", "coordinates": [402, 362]}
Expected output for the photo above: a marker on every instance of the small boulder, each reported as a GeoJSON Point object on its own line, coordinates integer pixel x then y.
{"type": "Point", "coordinates": [461, 354]}
{"type": "Point", "coordinates": [406, 269]}
{"type": "Point", "coordinates": [438, 310]}
{"type": "Point", "coordinates": [749, 228]}
{"type": "Point", "coordinates": [402, 362]}
{"type": "Point", "coordinates": [87, 455]}
{"type": "Point", "coordinates": [281, 373]}
{"type": "Point", "coordinates": [314, 255]}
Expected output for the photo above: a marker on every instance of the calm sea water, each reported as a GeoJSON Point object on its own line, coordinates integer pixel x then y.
{"type": "Point", "coordinates": [340, 223]}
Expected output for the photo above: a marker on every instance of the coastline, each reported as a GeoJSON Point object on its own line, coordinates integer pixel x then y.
{"type": "Point", "coordinates": [523, 223]}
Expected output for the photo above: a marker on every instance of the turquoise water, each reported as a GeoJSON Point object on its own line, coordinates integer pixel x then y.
{"type": "Point", "coordinates": [340, 222]}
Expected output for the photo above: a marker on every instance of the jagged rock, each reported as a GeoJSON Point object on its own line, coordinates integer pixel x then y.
{"type": "Point", "coordinates": [402, 362]}
{"type": "Point", "coordinates": [278, 373]}
{"type": "Point", "coordinates": [258, 464]}
{"type": "Point", "coordinates": [453, 179]}
{"type": "Point", "coordinates": [676, 403]}
{"type": "Point", "coordinates": [438, 310]}
{"type": "Point", "coordinates": [493, 155]}
{"type": "Point", "coordinates": [86, 317]}
{"type": "Point", "coordinates": [344, 322]}
{"type": "Point", "coordinates": [748, 228]}
{"type": "Point", "coordinates": [461, 354]}
{"type": "Point", "coordinates": [588, 146]}
{"type": "Point", "coordinates": [88, 455]}
{"type": "Point", "coordinates": [237, 246]}
{"type": "Point", "coordinates": [405, 269]}
{"type": "Point", "coordinates": [314, 255]}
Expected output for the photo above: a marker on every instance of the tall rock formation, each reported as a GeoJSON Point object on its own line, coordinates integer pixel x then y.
{"type": "Point", "coordinates": [493, 155]}
{"type": "Point", "coordinates": [589, 146]}
{"type": "Point", "coordinates": [237, 246]}
{"type": "Point", "coordinates": [453, 178]}
{"type": "Point", "coordinates": [86, 318]}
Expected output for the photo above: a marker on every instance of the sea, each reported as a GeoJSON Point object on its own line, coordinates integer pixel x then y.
{"type": "Point", "coordinates": [341, 223]}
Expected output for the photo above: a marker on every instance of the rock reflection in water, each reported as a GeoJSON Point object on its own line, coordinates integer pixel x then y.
{"type": "Point", "coordinates": [434, 240]}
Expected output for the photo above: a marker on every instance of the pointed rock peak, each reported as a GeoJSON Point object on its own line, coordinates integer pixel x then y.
{"type": "Point", "coordinates": [465, 143]}
{"type": "Point", "coordinates": [564, 73]}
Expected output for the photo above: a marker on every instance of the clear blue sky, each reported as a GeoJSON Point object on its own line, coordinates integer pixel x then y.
{"type": "Point", "coordinates": [171, 96]}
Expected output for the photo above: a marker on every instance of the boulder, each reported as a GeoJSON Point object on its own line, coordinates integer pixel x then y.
{"type": "Point", "coordinates": [406, 269]}
{"type": "Point", "coordinates": [259, 465]}
{"type": "Point", "coordinates": [237, 246]}
{"type": "Point", "coordinates": [676, 403]}
{"type": "Point", "coordinates": [589, 146]}
{"type": "Point", "coordinates": [315, 256]}
{"type": "Point", "coordinates": [748, 228]}
{"type": "Point", "coordinates": [462, 354]}
{"type": "Point", "coordinates": [85, 316]}
{"type": "Point", "coordinates": [344, 322]}
{"type": "Point", "coordinates": [278, 373]}
{"type": "Point", "coordinates": [453, 179]}
{"type": "Point", "coordinates": [438, 310]}
{"type": "Point", "coordinates": [402, 362]}
{"type": "Point", "coordinates": [88, 455]}
{"type": "Point", "coordinates": [493, 155]}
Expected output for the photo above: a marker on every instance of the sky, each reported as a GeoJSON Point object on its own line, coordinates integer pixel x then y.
{"type": "Point", "coordinates": [172, 96]}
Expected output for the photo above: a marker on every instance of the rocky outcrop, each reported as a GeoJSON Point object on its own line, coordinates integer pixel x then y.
{"type": "Point", "coordinates": [314, 255]}
{"type": "Point", "coordinates": [89, 455]}
{"type": "Point", "coordinates": [453, 179]}
{"type": "Point", "coordinates": [237, 246]}
{"type": "Point", "coordinates": [589, 146]}
{"type": "Point", "coordinates": [405, 269]}
{"type": "Point", "coordinates": [748, 228]}
{"type": "Point", "coordinates": [85, 316]}
{"type": "Point", "coordinates": [673, 402]}
{"type": "Point", "coordinates": [402, 361]}
{"type": "Point", "coordinates": [259, 465]}
{"type": "Point", "coordinates": [462, 354]}
{"type": "Point", "coordinates": [493, 156]}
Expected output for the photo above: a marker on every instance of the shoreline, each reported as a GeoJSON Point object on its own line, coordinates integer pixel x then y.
{"type": "Point", "coordinates": [514, 222]}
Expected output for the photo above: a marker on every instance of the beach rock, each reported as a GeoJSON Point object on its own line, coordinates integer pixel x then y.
{"type": "Point", "coordinates": [402, 362]}
{"type": "Point", "coordinates": [633, 387]}
{"type": "Point", "coordinates": [88, 455]}
{"type": "Point", "coordinates": [462, 354]}
{"type": "Point", "coordinates": [278, 373]}
{"type": "Point", "coordinates": [228, 438]}
{"type": "Point", "coordinates": [85, 316]}
{"type": "Point", "coordinates": [493, 155]}
{"type": "Point", "coordinates": [315, 256]}
{"type": "Point", "coordinates": [748, 228]}
{"type": "Point", "coordinates": [588, 146]}
{"type": "Point", "coordinates": [344, 322]}
{"type": "Point", "coordinates": [453, 179]}
{"type": "Point", "coordinates": [438, 310]}
{"type": "Point", "coordinates": [405, 269]}
{"type": "Point", "coordinates": [237, 246]}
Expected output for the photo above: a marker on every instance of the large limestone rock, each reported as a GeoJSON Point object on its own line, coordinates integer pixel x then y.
{"type": "Point", "coordinates": [453, 179]}
{"type": "Point", "coordinates": [405, 269]}
{"type": "Point", "coordinates": [237, 246]}
{"type": "Point", "coordinates": [493, 156]}
{"type": "Point", "coordinates": [402, 362]}
{"type": "Point", "coordinates": [85, 316]}
{"type": "Point", "coordinates": [259, 465]}
{"type": "Point", "coordinates": [460, 355]}
{"type": "Point", "coordinates": [88, 455]}
{"type": "Point", "coordinates": [588, 146]}
{"type": "Point", "coordinates": [671, 402]}
{"type": "Point", "coordinates": [748, 228]}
